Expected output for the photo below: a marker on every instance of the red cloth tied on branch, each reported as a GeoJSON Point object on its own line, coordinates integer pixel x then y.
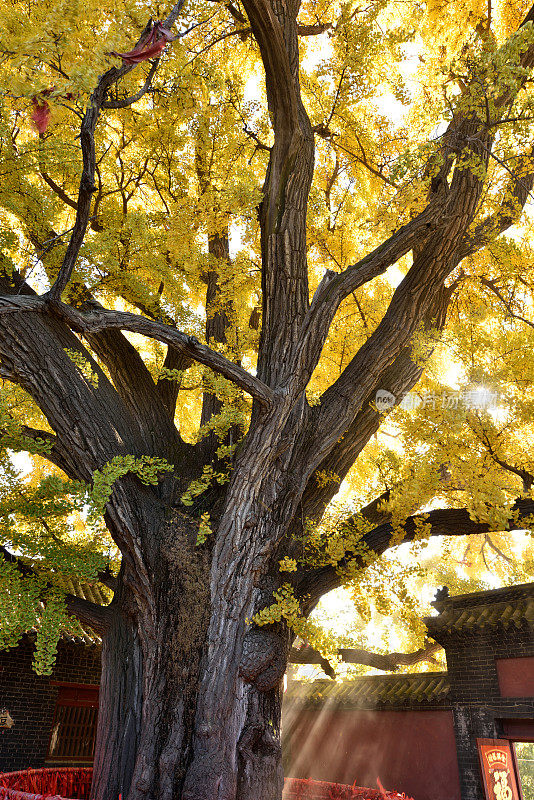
{"type": "Point", "coordinates": [149, 46]}
{"type": "Point", "coordinates": [40, 115]}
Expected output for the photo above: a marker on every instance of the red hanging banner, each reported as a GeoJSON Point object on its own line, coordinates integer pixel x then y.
{"type": "Point", "coordinates": [497, 767]}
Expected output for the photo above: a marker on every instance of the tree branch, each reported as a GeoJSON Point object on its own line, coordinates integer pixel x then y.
{"type": "Point", "coordinates": [132, 381]}
{"type": "Point", "coordinates": [413, 296]}
{"type": "Point", "coordinates": [137, 388]}
{"type": "Point", "coordinates": [302, 30]}
{"type": "Point", "coordinates": [128, 101]}
{"type": "Point", "coordinates": [55, 455]}
{"type": "Point", "coordinates": [411, 302]}
{"type": "Point", "coordinates": [439, 522]}
{"type": "Point", "coordinates": [61, 193]}
{"type": "Point", "coordinates": [220, 311]}
{"type": "Point", "coordinates": [96, 616]}
{"type": "Point", "coordinates": [497, 550]}
{"type": "Point", "coordinates": [515, 197]}
{"type": "Point", "coordinates": [489, 284]}
{"type": "Point", "coordinates": [283, 209]}
{"type": "Point", "coordinates": [526, 476]}
{"type": "Point", "coordinates": [388, 662]}
{"type": "Point", "coordinates": [168, 390]}
{"type": "Point", "coordinates": [181, 342]}
{"type": "Point", "coordinates": [308, 655]}
{"type": "Point", "coordinates": [98, 321]}
{"type": "Point", "coordinates": [87, 181]}
{"type": "Point", "coordinates": [313, 30]}
{"type": "Point", "coordinates": [94, 225]}
{"type": "Point", "coordinates": [433, 235]}
{"type": "Point", "coordinates": [398, 378]}
{"type": "Point", "coordinates": [335, 287]}
{"type": "Point", "coordinates": [91, 421]}
{"type": "Point", "coordinates": [281, 89]}
{"type": "Point", "coordinates": [391, 661]}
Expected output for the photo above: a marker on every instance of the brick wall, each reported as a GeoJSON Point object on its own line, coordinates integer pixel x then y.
{"type": "Point", "coordinates": [31, 699]}
{"type": "Point", "coordinates": [475, 703]}
{"type": "Point", "coordinates": [479, 709]}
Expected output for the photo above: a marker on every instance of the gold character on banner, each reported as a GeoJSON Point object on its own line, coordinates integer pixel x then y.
{"type": "Point", "coordinates": [501, 787]}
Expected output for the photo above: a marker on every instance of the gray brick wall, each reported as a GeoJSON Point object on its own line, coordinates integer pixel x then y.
{"type": "Point", "coordinates": [475, 695]}
{"type": "Point", "coordinates": [31, 699]}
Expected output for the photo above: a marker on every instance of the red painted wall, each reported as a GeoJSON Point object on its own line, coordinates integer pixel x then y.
{"type": "Point", "coordinates": [516, 676]}
{"type": "Point", "coordinates": [410, 751]}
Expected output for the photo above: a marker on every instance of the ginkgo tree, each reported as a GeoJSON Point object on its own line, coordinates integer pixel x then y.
{"type": "Point", "coordinates": [224, 263]}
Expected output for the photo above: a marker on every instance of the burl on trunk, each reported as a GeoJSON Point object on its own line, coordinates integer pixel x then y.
{"type": "Point", "coordinates": [175, 720]}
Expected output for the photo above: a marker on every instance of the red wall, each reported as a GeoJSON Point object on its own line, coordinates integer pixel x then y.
{"type": "Point", "coordinates": [516, 676]}
{"type": "Point", "coordinates": [519, 730]}
{"type": "Point", "coordinates": [410, 751]}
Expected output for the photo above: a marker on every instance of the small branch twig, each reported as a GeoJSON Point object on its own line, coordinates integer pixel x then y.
{"type": "Point", "coordinates": [87, 139]}
{"type": "Point", "coordinates": [128, 101]}
{"type": "Point", "coordinates": [497, 550]}
{"type": "Point", "coordinates": [491, 286]}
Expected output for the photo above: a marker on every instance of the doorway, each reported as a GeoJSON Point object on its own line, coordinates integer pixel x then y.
{"type": "Point", "coordinates": [520, 732]}
{"type": "Point", "coordinates": [524, 759]}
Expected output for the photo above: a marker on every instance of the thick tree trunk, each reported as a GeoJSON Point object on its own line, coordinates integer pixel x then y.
{"type": "Point", "coordinates": [155, 741]}
{"type": "Point", "coordinates": [260, 772]}
{"type": "Point", "coordinates": [190, 705]}
{"type": "Point", "coordinates": [258, 762]}
{"type": "Point", "coordinates": [121, 697]}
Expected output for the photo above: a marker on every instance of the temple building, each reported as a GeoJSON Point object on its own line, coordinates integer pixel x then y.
{"type": "Point", "coordinates": [420, 733]}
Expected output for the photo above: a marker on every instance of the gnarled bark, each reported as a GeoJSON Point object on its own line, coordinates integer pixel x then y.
{"type": "Point", "coordinates": [191, 691]}
{"type": "Point", "coordinates": [120, 701]}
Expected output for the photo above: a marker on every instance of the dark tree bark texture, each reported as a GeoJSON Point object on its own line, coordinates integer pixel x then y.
{"type": "Point", "coordinates": [190, 701]}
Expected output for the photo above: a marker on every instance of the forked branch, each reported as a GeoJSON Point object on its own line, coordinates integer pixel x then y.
{"type": "Point", "coordinates": [182, 343]}
{"type": "Point", "coordinates": [135, 323]}
{"type": "Point", "coordinates": [128, 101]}
{"type": "Point", "coordinates": [439, 522]}
{"type": "Point", "coordinates": [449, 208]}
{"type": "Point", "coordinates": [335, 287]}
{"type": "Point", "coordinates": [515, 198]}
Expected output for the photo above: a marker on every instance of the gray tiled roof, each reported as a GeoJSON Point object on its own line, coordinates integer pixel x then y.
{"type": "Point", "coordinates": [96, 593]}
{"type": "Point", "coordinates": [511, 605]}
{"type": "Point", "coordinates": [370, 691]}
